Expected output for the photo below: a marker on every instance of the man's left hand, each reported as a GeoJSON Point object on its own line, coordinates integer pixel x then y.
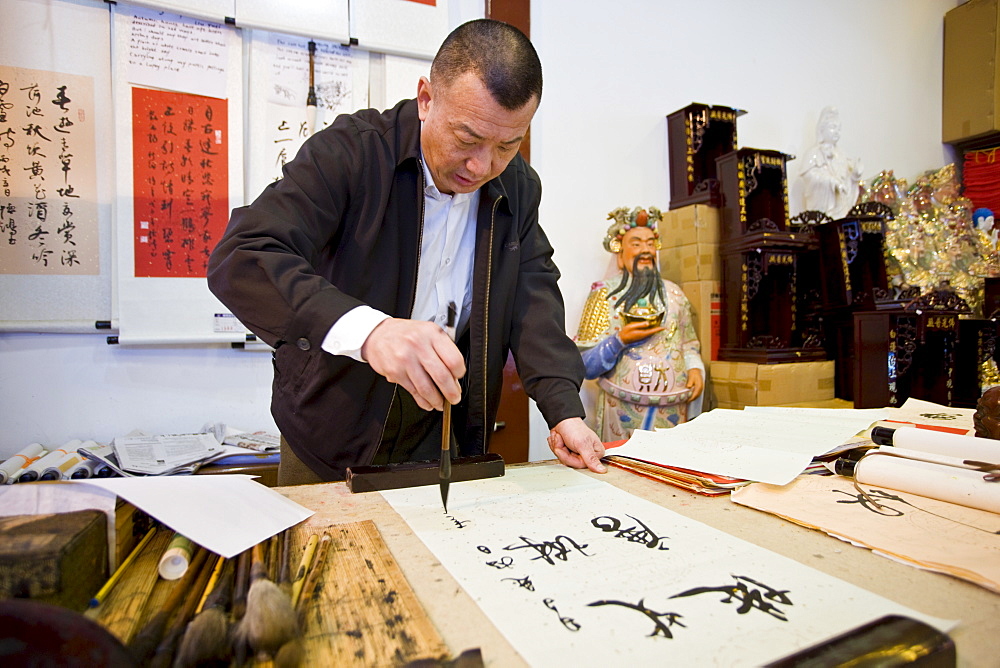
{"type": "Point", "coordinates": [576, 445]}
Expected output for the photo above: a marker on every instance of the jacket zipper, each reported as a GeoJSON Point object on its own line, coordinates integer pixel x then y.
{"type": "Point", "coordinates": [487, 429]}
{"type": "Point", "coordinates": [413, 297]}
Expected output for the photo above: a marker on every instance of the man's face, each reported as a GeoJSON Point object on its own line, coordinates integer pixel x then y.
{"type": "Point", "coordinates": [638, 242]}
{"type": "Point", "coordinates": [468, 138]}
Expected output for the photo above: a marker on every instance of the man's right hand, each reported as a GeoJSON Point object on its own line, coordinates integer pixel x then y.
{"type": "Point", "coordinates": [637, 331]}
{"type": "Point", "coordinates": [420, 357]}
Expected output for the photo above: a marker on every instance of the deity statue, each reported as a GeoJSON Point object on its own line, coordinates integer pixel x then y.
{"type": "Point", "coordinates": [832, 182]}
{"type": "Point", "coordinates": [637, 338]}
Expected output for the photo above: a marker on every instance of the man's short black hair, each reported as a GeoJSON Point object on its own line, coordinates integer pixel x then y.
{"type": "Point", "coordinates": [499, 54]}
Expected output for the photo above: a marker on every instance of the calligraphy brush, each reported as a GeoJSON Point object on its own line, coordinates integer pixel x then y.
{"type": "Point", "coordinates": [444, 468]}
{"type": "Point", "coordinates": [148, 639]}
{"type": "Point", "coordinates": [311, 96]}
{"type": "Point", "coordinates": [270, 619]}
{"type": "Point", "coordinates": [165, 650]}
{"type": "Point", "coordinates": [206, 640]}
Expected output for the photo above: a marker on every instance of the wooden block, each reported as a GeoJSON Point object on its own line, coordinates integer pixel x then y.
{"type": "Point", "coordinates": [415, 474]}
{"type": "Point", "coordinates": [60, 559]}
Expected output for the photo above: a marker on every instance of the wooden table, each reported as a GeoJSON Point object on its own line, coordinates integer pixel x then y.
{"type": "Point", "coordinates": [464, 626]}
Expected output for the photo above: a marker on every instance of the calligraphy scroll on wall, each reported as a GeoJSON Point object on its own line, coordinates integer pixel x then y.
{"type": "Point", "coordinates": [48, 188]}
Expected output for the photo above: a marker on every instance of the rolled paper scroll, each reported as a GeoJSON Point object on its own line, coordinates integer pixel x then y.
{"type": "Point", "coordinates": [13, 466]}
{"type": "Point", "coordinates": [175, 560]}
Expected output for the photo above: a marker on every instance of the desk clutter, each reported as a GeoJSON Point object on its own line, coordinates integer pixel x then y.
{"type": "Point", "coordinates": [140, 454]}
{"type": "Point", "coordinates": [272, 602]}
{"type": "Point", "coordinates": [897, 299]}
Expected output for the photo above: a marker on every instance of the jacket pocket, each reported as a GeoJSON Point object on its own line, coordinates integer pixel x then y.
{"type": "Point", "coordinates": [292, 367]}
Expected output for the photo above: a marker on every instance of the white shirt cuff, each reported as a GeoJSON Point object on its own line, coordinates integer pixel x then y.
{"type": "Point", "coordinates": [350, 332]}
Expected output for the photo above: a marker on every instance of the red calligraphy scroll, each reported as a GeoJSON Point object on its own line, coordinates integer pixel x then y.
{"type": "Point", "coordinates": [180, 171]}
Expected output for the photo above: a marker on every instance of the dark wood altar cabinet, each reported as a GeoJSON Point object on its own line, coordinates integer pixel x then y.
{"type": "Point", "coordinates": [761, 320]}
{"type": "Point", "coordinates": [696, 136]}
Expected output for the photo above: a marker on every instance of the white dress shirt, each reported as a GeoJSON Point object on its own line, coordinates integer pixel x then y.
{"type": "Point", "coordinates": [444, 273]}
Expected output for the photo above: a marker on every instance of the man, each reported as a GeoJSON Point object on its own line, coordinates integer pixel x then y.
{"type": "Point", "coordinates": [347, 266]}
{"type": "Point", "coordinates": [637, 338]}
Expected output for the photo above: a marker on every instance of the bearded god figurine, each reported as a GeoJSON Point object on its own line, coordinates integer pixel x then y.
{"type": "Point", "coordinates": [637, 338]}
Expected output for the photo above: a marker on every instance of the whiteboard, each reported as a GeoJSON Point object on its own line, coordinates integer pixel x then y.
{"type": "Point", "coordinates": [400, 27]}
{"type": "Point", "coordinates": [69, 38]}
{"type": "Point", "coordinates": [318, 19]}
{"type": "Point", "coordinates": [209, 10]}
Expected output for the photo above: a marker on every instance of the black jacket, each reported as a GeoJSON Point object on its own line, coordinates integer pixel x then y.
{"type": "Point", "coordinates": [342, 228]}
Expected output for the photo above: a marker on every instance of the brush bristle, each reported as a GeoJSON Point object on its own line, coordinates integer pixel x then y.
{"type": "Point", "coordinates": [270, 619]}
{"type": "Point", "coordinates": [206, 641]}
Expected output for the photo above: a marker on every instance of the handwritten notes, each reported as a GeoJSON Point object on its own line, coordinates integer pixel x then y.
{"type": "Point", "coordinates": [48, 183]}
{"type": "Point", "coordinates": [574, 570]}
{"type": "Point", "coordinates": [177, 53]}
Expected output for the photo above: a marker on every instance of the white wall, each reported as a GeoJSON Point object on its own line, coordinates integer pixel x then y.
{"type": "Point", "coordinates": [599, 142]}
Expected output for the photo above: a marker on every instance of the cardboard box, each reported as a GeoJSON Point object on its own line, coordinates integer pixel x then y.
{"type": "Point", "coordinates": [706, 302]}
{"type": "Point", "coordinates": [970, 105]}
{"type": "Point", "coordinates": [740, 384]}
{"type": "Point", "coordinates": [698, 223]}
{"type": "Point", "coordinates": [691, 262]}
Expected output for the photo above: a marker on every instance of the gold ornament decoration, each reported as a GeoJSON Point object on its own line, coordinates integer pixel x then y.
{"type": "Point", "coordinates": [627, 219]}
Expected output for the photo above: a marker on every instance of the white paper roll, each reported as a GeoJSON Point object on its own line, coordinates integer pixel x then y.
{"type": "Point", "coordinates": [36, 469]}
{"type": "Point", "coordinates": [176, 558]}
{"type": "Point", "coordinates": [943, 443]}
{"type": "Point", "coordinates": [963, 486]}
{"type": "Point", "coordinates": [60, 470]}
{"type": "Point", "coordinates": [11, 467]}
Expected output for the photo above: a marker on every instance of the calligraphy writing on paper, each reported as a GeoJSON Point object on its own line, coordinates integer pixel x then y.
{"type": "Point", "coordinates": [750, 593]}
{"type": "Point", "coordinates": [180, 167]}
{"type": "Point", "coordinates": [633, 534]}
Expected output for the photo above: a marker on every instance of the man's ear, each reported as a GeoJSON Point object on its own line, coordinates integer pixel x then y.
{"type": "Point", "coordinates": [423, 97]}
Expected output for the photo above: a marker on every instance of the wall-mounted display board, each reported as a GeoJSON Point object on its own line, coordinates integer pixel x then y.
{"type": "Point", "coordinates": [179, 158]}
{"type": "Point", "coordinates": [128, 131]}
{"type": "Point", "coordinates": [279, 121]}
{"type": "Point", "coordinates": [316, 19]}
{"type": "Point", "coordinates": [216, 11]}
{"type": "Point", "coordinates": [56, 174]}
{"type": "Point", "coordinates": [401, 27]}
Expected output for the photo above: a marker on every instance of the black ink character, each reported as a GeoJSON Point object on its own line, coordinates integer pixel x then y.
{"type": "Point", "coordinates": [502, 563]}
{"type": "Point", "coordinates": [868, 502]}
{"type": "Point", "coordinates": [523, 583]}
{"type": "Point", "coordinates": [632, 534]}
{"type": "Point", "coordinates": [748, 598]}
{"type": "Point", "coordinates": [551, 549]}
{"type": "Point", "coordinates": [662, 620]}
{"type": "Point", "coordinates": [568, 622]}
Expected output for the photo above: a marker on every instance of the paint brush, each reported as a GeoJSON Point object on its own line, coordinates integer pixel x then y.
{"type": "Point", "coordinates": [312, 577]}
{"type": "Point", "coordinates": [206, 640]}
{"type": "Point", "coordinates": [444, 468]}
{"type": "Point", "coordinates": [269, 621]}
{"type": "Point", "coordinates": [145, 642]}
{"type": "Point", "coordinates": [165, 650]}
{"type": "Point", "coordinates": [304, 564]}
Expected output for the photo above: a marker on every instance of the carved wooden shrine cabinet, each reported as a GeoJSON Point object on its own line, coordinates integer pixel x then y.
{"type": "Point", "coordinates": [696, 136]}
{"type": "Point", "coordinates": [761, 319]}
{"type": "Point", "coordinates": [910, 352]}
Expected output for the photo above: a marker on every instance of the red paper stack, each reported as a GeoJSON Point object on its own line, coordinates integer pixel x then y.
{"type": "Point", "coordinates": [981, 178]}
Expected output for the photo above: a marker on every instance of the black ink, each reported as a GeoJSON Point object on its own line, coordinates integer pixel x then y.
{"type": "Point", "coordinates": [524, 583]}
{"type": "Point", "coordinates": [748, 598]}
{"type": "Point", "coordinates": [505, 562]}
{"type": "Point", "coordinates": [568, 622]}
{"type": "Point", "coordinates": [632, 534]}
{"type": "Point", "coordinates": [662, 620]}
{"type": "Point", "coordinates": [549, 550]}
